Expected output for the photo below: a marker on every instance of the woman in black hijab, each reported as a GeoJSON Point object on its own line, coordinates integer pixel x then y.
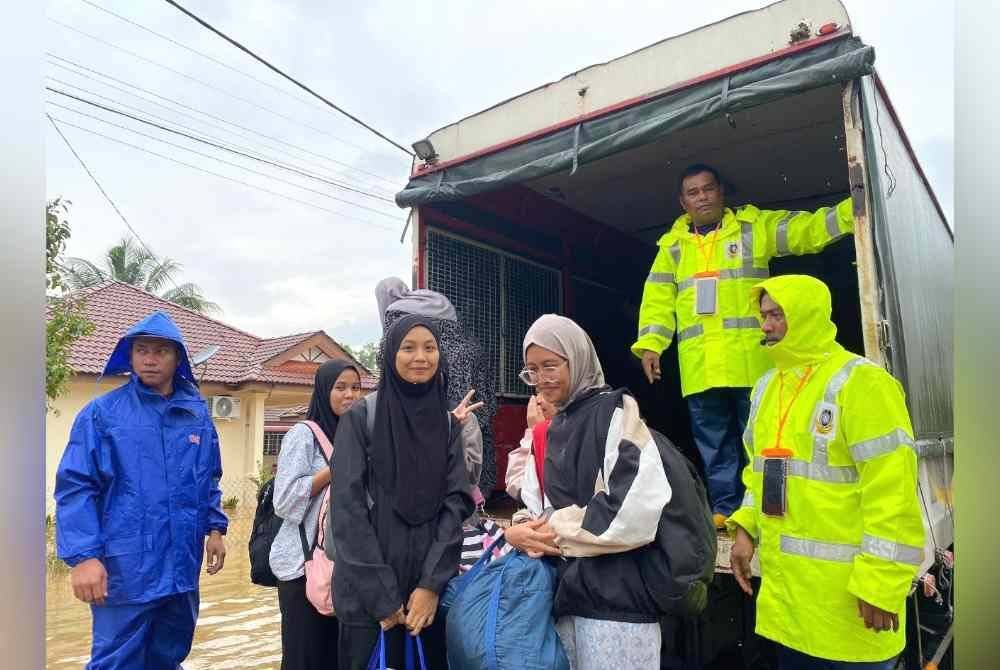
{"type": "Point", "coordinates": [308, 638]}
{"type": "Point", "coordinates": [400, 494]}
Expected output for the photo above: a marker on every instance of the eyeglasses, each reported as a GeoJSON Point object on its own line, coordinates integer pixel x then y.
{"type": "Point", "coordinates": [549, 373]}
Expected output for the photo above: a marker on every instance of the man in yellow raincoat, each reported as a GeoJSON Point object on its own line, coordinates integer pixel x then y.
{"type": "Point", "coordinates": [698, 288]}
{"type": "Point", "coordinates": [831, 500]}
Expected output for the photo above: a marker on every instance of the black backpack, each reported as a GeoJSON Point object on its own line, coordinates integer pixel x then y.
{"type": "Point", "coordinates": [266, 525]}
{"type": "Point", "coordinates": [679, 572]}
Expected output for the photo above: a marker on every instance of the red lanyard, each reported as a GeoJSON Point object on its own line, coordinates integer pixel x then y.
{"type": "Point", "coordinates": [777, 449]}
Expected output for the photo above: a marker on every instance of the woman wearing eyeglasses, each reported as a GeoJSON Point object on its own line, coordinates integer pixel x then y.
{"type": "Point", "coordinates": [595, 489]}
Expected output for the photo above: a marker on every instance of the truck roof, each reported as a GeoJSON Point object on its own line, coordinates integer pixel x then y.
{"type": "Point", "coordinates": [738, 42]}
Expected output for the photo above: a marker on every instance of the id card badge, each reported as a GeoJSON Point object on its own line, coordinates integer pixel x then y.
{"type": "Point", "coordinates": [774, 500]}
{"type": "Point", "coordinates": [706, 291]}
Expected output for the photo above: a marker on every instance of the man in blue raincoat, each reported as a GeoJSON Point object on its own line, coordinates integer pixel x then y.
{"type": "Point", "coordinates": [137, 492]}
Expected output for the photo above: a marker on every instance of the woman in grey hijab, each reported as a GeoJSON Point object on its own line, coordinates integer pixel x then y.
{"type": "Point", "coordinates": [467, 366]}
{"type": "Point", "coordinates": [392, 291]}
{"type": "Point", "coordinates": [595, 489]}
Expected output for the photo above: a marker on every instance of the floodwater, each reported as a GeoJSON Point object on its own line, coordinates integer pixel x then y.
{"type": "Point", "coordinates": [238, 627]}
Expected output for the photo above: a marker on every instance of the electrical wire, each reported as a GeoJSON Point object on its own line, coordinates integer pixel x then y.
{"type": "Point", "coordinates": [226, 177]}
{"type": "Point", "coordinates": [201, 53]}
{"type": "Point", "coordinates": [194, 109]}
{"type": "Point", "coordinates": [225, 162]}
{"type": "Point", "coordinates": [304, 166]}
{"type": "Point", "coordinates": [210, 143]}
{"type": "Point", "coordinates": [98, 184]}
{"type": "Point", "coordinates": [207, 85]}
{"type": "Point", "coordinates": [295, 81]}
{"type": "Point", "coordinates": [317, 169]}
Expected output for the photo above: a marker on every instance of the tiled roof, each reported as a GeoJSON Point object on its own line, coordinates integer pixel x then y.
{"type": "Point", "coordinates": [114, 307]}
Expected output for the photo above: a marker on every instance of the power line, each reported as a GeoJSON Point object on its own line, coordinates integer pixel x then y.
{"type": "Point", "coordinates": [194, 109]}
{"type": "Point", "coordinates": [215, 145]}
{"type": "Point", "coordinates": [201, 53]}
{"type": "Point", "coordinates": [316, 169]}
{"type": "Point", "coordinates": [226, 177]}
{"type": "Point", "coordinates": [207, 85]}
{"type": "Point", "coordinates": [98, 184]}
{"type": "Point", "coordinates": [295, 81]}
{"type": "Point", "coordinates": [105, 194]}
{"type": "Point", "coordinates": [225, 162]}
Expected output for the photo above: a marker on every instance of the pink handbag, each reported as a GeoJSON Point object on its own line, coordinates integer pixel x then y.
{"type": "Point", "coordinates": [319, 568]}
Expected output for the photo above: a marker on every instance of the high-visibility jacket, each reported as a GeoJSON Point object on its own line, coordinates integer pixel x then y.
{"type": "Point", "coordinates": [853, 527]}
{"type": "Point", "coordinates": [723, 349]}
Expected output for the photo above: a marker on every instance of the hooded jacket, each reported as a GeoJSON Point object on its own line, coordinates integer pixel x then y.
{"type": "Point", "coordinates": [852, 527]}
{"type": "Point", "coordinates": [722, 349]}
{"type": "Point", "coordinates": [138, 483]}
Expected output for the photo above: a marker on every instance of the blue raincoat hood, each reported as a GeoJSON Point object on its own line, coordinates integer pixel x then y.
{"type": "Point", "coordinates": [157, 324]}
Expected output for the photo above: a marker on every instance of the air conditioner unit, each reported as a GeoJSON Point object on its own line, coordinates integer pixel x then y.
{"type": "Point", "coordinates": [224, 407]}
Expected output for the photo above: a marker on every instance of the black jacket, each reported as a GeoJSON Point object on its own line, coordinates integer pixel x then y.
{"type": "Point", "coordinates": [379, 558]}
{"type": "Point", "coordinates": [614, 586]}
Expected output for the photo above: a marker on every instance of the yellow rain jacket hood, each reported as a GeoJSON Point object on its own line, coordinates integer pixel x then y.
{"type": "Point", "coordinates": [852, 527]}
{"type": "Point", "coordinates": [811, 335]}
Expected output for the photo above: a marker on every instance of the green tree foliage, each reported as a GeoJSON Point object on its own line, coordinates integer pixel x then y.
{"type": "Point", "coordinates": [130, 262]}
{"type": "Point", "coordinates": [67, 321]}
{"type": "Point", "coordinates": [366, 354]}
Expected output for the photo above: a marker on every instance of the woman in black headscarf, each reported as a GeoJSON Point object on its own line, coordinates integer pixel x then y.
{"type": "Point", "coordinates": [308, 638]}
{"type": "Point", "coordinates": [400, 494]}
{"type": "Point", "coordinates": [468, 366]}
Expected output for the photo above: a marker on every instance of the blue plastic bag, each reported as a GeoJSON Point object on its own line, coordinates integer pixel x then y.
{"type": "Point", "coordinates": [378, 657]}
{"type": "Point", "coordinates": [500, 616]}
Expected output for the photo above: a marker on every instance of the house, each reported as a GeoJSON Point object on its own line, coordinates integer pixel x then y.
{"type": "Point", "coordinates": [248, 376]}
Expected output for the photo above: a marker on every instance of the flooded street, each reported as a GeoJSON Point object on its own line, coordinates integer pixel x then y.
{"type": "Point", "coordinates": [238, 626]}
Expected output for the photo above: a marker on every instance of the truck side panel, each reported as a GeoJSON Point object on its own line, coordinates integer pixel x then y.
{"type": "Point", "coordinates": [915, 252]}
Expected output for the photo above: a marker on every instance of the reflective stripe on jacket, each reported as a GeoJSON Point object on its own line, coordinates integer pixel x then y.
{"type": "Point", "coordinates": [853, 527]}
{"type": "Point", "coordinates": [723, 349]}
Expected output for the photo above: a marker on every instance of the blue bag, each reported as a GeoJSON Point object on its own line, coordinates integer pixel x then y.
{"type": "Point", "coordinates": [378, 657]}
{"type": "Point", "coordinates": [500, 616]}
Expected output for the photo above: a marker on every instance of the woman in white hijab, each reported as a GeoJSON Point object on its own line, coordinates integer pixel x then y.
{"type": "Point", "coordinates": [607, 617]}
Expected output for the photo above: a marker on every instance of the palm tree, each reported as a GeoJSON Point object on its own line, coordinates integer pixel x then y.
{"type": "Point", "coordinates": [130, 262]}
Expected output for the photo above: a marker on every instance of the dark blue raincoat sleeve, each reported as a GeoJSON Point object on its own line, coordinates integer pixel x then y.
{"type": "Point", "coordinates": [216, 519]}
{"type": "Point", "coordinates": [77, 492]}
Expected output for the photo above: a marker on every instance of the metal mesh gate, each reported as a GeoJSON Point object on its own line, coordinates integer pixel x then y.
{"type": "Point", "coordinates": [497, 297]}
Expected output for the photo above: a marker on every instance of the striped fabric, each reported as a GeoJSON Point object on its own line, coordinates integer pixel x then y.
{"type": "Point", "coordinates": [476, 539]}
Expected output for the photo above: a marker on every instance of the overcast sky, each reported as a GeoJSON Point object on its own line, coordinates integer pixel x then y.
{"type": "Point", "coordinates": [277, 266]}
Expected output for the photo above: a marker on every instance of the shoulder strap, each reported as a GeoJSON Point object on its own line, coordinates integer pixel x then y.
{"type": "Point", "coordinates": [324, 441]}
{"type": "Point", "coordinates": [370, 418]}
{"type": "Point", "coordinates": [370, 411]}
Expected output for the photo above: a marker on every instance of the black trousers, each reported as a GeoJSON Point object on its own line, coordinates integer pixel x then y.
{"type": "Point", "coordinates": [308, 639]}
{"type": "Point", "coordinates": [357, 643]}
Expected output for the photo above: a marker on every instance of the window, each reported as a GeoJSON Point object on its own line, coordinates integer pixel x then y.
{"type": "Point", "coordinates": [272, 442]}
{"type": "Point", "coordinates": [497, 296]}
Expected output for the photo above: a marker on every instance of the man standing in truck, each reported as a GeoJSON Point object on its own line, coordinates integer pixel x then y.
{"type": "Point", "coordinates": [698, 288]}
{"type": "Point", "coordinates": [831, 501]}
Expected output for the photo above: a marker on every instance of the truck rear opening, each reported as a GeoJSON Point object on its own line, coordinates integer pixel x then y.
{"type": "Point", "coordinates": [582, 244]}
{"type": "Point", "coordinates": [553, 201]}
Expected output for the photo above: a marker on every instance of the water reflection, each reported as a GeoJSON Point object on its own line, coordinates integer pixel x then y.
{"type": "Point", "coordinates": [238, 627]}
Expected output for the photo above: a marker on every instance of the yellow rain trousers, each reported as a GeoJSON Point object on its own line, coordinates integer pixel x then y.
{"type": "Point", "coordinates": [853, 527]}
{"type": "Point", "coordinates": [723, 349]}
